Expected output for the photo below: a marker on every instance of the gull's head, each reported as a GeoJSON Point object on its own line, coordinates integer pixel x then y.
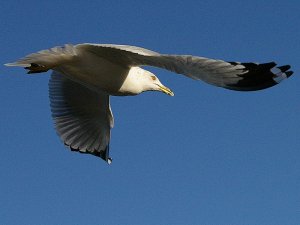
{"type": "Point", "coordinates": [150, 82]}
{"type": "Point", "coordinates": [158, 86]}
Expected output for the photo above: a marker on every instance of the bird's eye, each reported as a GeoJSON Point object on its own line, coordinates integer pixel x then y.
{"type": "Point", "coordinates": [153, 77]}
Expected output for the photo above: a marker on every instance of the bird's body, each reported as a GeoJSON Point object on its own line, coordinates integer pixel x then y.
{"type": "Point", "coordinates": [86, 74]}
{"type": "Point", "coordinates": [97, 73]}
{"type": "Point", "coordinates": [94, 72]}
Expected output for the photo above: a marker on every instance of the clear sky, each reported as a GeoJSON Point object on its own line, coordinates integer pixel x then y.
{"type": "Point", "coordinates": [206, 156]}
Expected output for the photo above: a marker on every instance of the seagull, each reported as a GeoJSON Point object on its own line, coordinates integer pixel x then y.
{"type": "Point", "coordinates": [85, 75]}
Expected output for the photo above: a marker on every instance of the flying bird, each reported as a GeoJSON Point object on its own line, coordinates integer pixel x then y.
{"type": "Point", "coordinates": [85, 75]}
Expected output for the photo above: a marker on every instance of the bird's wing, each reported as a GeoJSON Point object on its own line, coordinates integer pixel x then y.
{"type": "Point", "coordinates": [82, 118]}
{"type": "Point", "coordinates": [231, 75]}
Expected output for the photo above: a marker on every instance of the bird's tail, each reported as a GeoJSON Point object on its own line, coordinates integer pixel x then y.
{"type": "Point", "coordinates": [44, 60]}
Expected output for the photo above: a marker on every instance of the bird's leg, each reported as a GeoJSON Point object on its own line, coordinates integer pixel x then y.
{"type": "Point", "coordinates": [36, 68]}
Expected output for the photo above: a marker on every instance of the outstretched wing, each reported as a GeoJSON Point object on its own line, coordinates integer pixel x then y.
{"type": "Point", "coordinates": [231, 75]}
{"type": "Point", "coordinates": [82, 117]}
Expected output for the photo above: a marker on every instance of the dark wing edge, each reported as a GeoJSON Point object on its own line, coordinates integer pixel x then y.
{"type": "Point", "coordinates": [260, 76]}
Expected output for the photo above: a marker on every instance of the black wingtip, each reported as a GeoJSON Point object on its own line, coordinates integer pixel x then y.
{"type": "Point", "coordinates": [289, 73]}
{"type": "Point", "coordinates": [282, 73]}
{"type": "Point", "coordinates": [260, 76]}
{"type": "Point", "coordinates": [284, 68]}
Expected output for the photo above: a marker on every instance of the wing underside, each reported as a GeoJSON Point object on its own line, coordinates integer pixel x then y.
{"type": "Point", "coordinates": [82, 117]}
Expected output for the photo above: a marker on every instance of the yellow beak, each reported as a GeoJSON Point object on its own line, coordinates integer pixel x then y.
{"type": "Point", "coordinates": [166, 90]}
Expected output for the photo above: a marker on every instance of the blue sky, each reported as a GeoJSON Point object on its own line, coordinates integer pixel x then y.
{"type": "Point", "coordinates": [205, 156]}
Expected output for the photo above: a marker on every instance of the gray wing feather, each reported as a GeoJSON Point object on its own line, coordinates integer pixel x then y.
{"type": "Point", "coordinates": [212, 71]}
{"type": "Point", "coordinates": [230, 75]}
{"type": "Point", "coordinates": [82, 117]}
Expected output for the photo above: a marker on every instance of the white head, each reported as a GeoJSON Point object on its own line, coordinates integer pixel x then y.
{"type": "Point", "coordinates": [140, 80]}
